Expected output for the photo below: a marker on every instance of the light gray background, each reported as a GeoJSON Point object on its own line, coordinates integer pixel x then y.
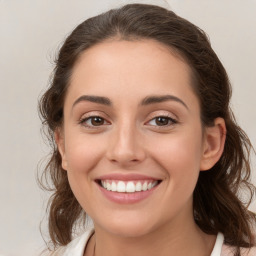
{"type": "Point", "coordinates": [31, 32]}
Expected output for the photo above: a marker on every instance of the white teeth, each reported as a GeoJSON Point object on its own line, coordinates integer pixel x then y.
{"type": "Point", "coordinates": [114, 187]}
{"type": "Point", "coordinates": [145, 186]}
{"type": "Point", "coordinates": [128, 187]}
{"type": "Point", "coordinates": [154, 183]}
{"type": "Point", "coordinates": [103, 183]}
{"type": "Point", "coordinates": [120, 186]}
{"type": "Point", "coordinates": [138, 186]}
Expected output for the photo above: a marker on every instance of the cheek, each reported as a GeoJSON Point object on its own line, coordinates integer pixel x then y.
{"type": "Point", "coordinates": [82, 153]}
{"type": "Point", "coordinates": [180, 157]}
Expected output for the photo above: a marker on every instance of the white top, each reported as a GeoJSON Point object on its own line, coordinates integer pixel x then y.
{"type": "Point", "coordinates": [77, 246]}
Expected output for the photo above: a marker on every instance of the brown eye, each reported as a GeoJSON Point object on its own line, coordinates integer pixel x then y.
{"type": "Point", "coordinates": [96, 121]}
{"type": "Point", "coordinates": [93, 121]}
{"type": "Point", "coordinates": [160, 121]}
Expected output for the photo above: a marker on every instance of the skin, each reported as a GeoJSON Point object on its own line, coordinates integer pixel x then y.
{"type": "Point", "coordinates": [128, 139]}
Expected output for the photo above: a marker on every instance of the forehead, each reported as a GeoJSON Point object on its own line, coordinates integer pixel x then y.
{"type": "Point", "coordinates": [144, 67]}
{"type": "Point", "coordinates": [148, 52]}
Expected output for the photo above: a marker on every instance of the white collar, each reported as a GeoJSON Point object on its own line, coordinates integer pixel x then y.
{"type": "Point", "coordinates": [218, 245]}
{"type": "Point", "coordinates": [77, 246]}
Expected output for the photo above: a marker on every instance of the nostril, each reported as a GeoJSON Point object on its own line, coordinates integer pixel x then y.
{"type": "Point", "coordinates": [124, 160]}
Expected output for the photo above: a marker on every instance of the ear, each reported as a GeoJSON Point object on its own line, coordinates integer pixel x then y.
{"type": "Point", "coordinates": [213, 146]}
{"type": "Point", "coordinates": [59, 139]}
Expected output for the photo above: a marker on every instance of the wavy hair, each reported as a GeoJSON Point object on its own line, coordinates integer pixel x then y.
{"type": "Point", "coordinates": [217, 202]}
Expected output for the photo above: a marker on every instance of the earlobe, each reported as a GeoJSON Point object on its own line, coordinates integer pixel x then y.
{"type": "Point", "coordinates": [214, 142]}
{"type": "Point", "coordinates": [59, 139]}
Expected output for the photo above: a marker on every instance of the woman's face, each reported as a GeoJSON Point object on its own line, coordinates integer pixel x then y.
{"type": "Point", "coordinates": [132, 140]}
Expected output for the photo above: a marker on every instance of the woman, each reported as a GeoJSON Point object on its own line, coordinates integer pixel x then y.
{"type": "Point", "coordinates": [144, 141]}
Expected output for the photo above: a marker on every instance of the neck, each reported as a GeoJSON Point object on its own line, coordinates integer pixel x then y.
{"type": "Point", "coordinates": [177, 239]}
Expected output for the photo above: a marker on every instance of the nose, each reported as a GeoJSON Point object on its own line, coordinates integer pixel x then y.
{"type": "Point", "coordinates": [126, 146]}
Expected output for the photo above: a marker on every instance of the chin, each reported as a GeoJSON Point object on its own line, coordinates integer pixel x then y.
{"type": "Point", "coordinates": [128, 226]}
{"type": "Point", "coordinates": [130, 231]}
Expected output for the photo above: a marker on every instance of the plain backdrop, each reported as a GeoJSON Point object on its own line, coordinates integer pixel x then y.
{"type": "Point", "coordinates": [31, 31]}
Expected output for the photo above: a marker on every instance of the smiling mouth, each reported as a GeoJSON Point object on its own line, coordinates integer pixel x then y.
{"type": "Point", "coordinates": [128, 186]}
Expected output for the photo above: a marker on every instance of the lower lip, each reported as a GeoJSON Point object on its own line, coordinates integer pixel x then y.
{"type": "Point", "coordinates": [126, 198]}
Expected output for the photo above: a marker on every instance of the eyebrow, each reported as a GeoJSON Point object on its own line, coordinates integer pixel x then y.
{"type": "Point", "coordinates": [94, 99]}
{"type": "Point", "coordinates": [146, 101]}
{"type": "Point", "coordinates": [162, 98]}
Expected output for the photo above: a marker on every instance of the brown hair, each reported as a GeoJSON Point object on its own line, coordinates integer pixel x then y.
{"type": "Point", "coordinates": [217, 207]}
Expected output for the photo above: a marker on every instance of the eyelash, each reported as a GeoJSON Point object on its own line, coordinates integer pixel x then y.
{"type": "Point", "coordinates": [171, 121]}
{"type": "Point", "coordinates": [84, 120]}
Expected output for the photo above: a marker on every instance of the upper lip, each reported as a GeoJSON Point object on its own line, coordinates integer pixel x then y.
{"type": "Point", "coordinates": [126, 177]}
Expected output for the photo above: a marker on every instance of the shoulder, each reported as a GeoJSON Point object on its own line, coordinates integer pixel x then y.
{"type": "Point", "coordinates": [229, 251]}
{"type": "Point", "coordinates": [248, 251]}
{"type": "Point", "coordinates": [221, 249]}
{"type": "Point", "coordinates": [75, 247]}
